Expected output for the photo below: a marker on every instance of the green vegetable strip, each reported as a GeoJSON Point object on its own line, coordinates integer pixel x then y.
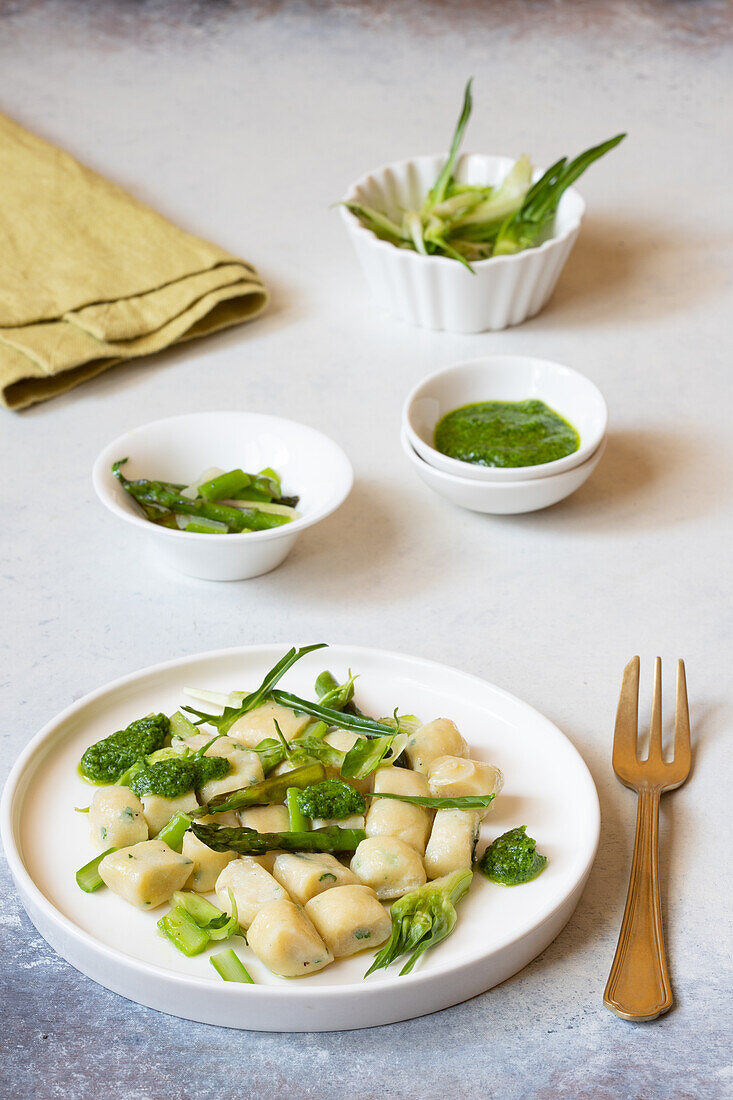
{"type": "Point", "coordinates": [156, 492]}
{"type": "Point", "coordinates": [333, 695]}
{"type": "Point", "coordinates": [342, 719]}
{"type": "Point", "coordinates": [226, 485]}
{"type": "Point", "coordinates": [522, 229]}
{"type": "Point", "coordinates": [205, 528]}
{"type": "Point", "coordinates": [180, 726]}
{"type": "Point", "coordinates": [183, 932]}
{"type": "Point", "coordinates": [365, 756]}
{"type": "Point", "coordinates": [88, 877]}
{"type": "Point", "coordinates": [423, 918]}
{"type": "Point", "coordinates": [198, 907]}
{"type": "Point", "coordinates": [230, 967]}
{"type": "Point", "coordinates": [438, 191]}
{"type": "Point", "coordinates": [215, 922]}
{"type": "Point", "coordinates": [172, 834]}
{"type": "Point", "coordinates": [460, 802]}
{"type": "Point", "coordinates": [267, 791]}
{"type": "Point", "coordinates": [223, 722]}
{"type": "Point", "coordinates": [298, 822]}
{"type": "Point", "coordinates": [248, 842]}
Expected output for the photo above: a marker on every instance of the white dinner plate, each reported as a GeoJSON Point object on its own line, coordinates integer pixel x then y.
{"type": "Point", "coordinates": [547, 788]}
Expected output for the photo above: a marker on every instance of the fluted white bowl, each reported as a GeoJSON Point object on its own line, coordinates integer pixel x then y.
{"type": "Point", "coordinates": [179, 448]}
{"type": "Point", "coordinates": [505, 378]}
{"type": "Point", "coordinates": [440, 293]}
{"type": "Point", "coordinates": [502, 499]}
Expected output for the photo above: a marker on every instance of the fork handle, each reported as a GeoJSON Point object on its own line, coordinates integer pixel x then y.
{"type": "Point", "coordinates": [638, 986]}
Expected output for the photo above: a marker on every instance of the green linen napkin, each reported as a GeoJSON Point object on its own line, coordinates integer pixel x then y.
{"type": "Point", "coordinates": [89, 276]}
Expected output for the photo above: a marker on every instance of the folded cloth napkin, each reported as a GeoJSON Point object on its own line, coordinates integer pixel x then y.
{"type": "Point", "coordinates": [89, 276]}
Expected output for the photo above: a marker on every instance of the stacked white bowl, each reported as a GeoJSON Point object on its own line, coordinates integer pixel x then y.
{"type": "Point", "coordinates": [504, 490]}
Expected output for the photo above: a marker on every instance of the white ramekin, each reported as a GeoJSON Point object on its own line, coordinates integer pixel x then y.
{"type": "Point", "coordinates": [179, 448]}
{"type": "Point", "coordinates": [502, 498]}
{"type": "Point", "coordinates": [439, 293]}
{"type": "Point", "coordinates": [505, 378]}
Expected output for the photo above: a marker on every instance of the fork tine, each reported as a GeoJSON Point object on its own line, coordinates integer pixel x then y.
{"type": "Point", "coordinates": [682, 720]}
{"type": "Point", "coordinates": [655, 729]}
{"type": "Point", "coordinates": [624, 737]}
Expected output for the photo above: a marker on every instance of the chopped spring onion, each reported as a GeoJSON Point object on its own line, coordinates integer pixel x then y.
{"type": "Point", "coordinates": [173, 833]}
{"type": "Point", "coordinates": [230, 967]}
{"type": "Point", "coordinates": [201, 525]}
{"type": "Point", "coordinates": [88, 877]}
{"type": "Point", "coordinates": [183, 931]}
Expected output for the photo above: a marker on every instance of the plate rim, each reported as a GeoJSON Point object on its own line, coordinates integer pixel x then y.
{"type": "Point", "coordinates": [292, 992]}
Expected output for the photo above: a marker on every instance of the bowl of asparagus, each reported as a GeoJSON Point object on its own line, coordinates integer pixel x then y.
{"type": "Point", "coordinates": [466, 243]}
{"type": "Point", "coordinates": [231, 521]}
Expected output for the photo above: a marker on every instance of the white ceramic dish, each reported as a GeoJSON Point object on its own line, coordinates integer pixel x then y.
{"type": "Point", "coordinates": [179, 448]}
{"type": "Point", "coordinates": [502, 498]}
{"type": "Point", "coordinates": [505, 378]}
{"type": "Point", "coordinates": [440, 293]}
{"type": "Point", "coordinates": [548, 788]}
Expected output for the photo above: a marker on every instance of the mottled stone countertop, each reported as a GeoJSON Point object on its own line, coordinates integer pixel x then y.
{"type": "Point", "coordinates": [243, 122]}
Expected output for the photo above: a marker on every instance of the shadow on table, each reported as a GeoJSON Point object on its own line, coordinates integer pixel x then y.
{"type": "Point", "coordinates": [630, 272]}
{"type": "Point", "coordinates": [646, 480]}
{"type": "Point", "coordinates": [597, 918]}
{"type": "Point", "coordinates": [364, 551]}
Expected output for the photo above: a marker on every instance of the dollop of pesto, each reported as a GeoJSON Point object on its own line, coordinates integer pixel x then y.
{"type": "Point", "coordinates": [106, 760]}
{"type": "Point", "coordinates": [176, 776]}
{"type": "Point", "coordinates": [506, 433]}
{"type": "Point", "coordinates": [512, 858]}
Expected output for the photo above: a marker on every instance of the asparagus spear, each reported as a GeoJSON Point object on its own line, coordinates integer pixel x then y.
{"type": "Point", "coordinates": [158, 492]}
{"type": "Point", "coordinates": [230, 967]}
{"type": "Point", "coordinates": [265, 792]}
{"type": "Point", "coordinates": [247, 842]}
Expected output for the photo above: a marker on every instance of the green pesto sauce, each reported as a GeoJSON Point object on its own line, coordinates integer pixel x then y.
{"type": "Point", "coordinates": [506, 433]}
{"type": "Point", "coordinates": [512, 859]}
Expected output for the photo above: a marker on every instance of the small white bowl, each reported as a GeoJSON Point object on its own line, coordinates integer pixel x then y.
{"type": "Point", "coordinates": [505, 378]}
{"type": "Point", "coordinates": [440, 293]}
{"type": "Point", "coordinates": [502, 499]}
{"type": "Point", "coordinates": [179, 448]}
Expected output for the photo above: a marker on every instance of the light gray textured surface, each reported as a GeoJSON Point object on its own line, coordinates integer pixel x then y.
{"type": "Point", "coordinates": [244, 123]}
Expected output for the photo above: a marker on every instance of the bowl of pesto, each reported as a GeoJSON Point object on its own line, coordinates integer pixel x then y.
{"type": "Point", "coordinates": [505, 418]}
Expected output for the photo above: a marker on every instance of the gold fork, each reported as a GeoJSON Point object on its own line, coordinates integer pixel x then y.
{"type": "Point", "coordinates": [638, 986]}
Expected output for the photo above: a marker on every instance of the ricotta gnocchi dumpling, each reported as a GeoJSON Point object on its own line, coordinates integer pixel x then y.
{"type": "Point", "coordinates": [452, 842]}
{"type": "Point", "coordinates": [266, 819]}
{"type": "Point", "coordinates": [391, 867]}
{"type": "Point", "coordinates": [387, 817]}
{"type": "Point", "coordinates": [348, 919]}
{"type": "Point", "coordinates": [437, 738]}
{"type": "Point", "coordinates": [451, 777]}
{"type": "Point", "coordinates": [207, 864]}
{"type": "Point", "coordinates": [258, 724]}
{"type": "Point", "coordinates": [116, 818]}
{"type": "Point", "coordinates": [284, 939]}
{"type": "Point", "coordinates": [252, 887]}
{"type": "Point", "coordinates": [158, 810]}
{"type": "Point", "coordinates": [244, 770]}
{"type": "Point", "coordinates": [305, 874]}
{"type": "Point", "coordinates": [145, 874]}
